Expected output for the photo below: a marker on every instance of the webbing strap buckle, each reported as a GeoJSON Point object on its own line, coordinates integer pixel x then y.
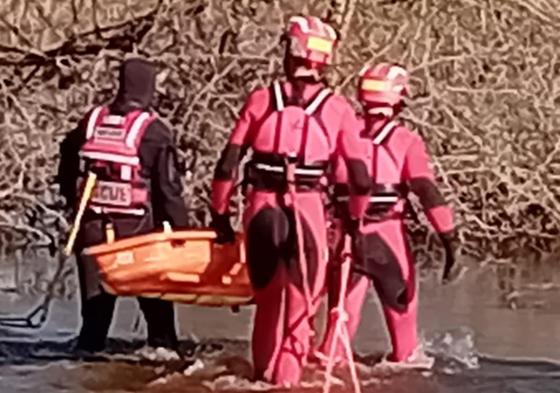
{"type": "Point", "coordinates": [291, 173]}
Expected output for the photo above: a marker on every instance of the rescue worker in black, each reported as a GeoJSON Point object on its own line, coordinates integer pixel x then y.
{"type": "Point", "coordinates": [140, 166]}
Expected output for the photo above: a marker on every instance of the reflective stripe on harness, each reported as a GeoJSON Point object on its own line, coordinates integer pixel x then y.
{"type": "Point", "coordinates": [278, 96]}
{"type": "Point", "coordinates": [268, 171]}
{"type": "Point", "coordinates": [112, 157]}
{"type": "Point", "coordinates": [379, 190]}
{"type": "Point", "coordinates": [384, 133]}
{"type": "Point", "coordinates": [310, 109]}
{"type": "Point", "coordinates": [383, 203]}
{"type": "Point", "coordinates": [118, 210]}
{"type": "Point", "coordinates": [114, 120]}
{"type": "Point", "coordinates": [92, 122]}
{"type": "Point", "coordinates": [132, 136]}
{"type": "Point", "coordinates": [373, 199]}
{"type": "Point", "coordinates": [297, 171]}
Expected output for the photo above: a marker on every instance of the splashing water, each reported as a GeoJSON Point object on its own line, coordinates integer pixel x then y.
{"type": "Point", "coordinates": [494, 350]}
{"type": "Point", "coordinates": [235, 383]}
{"type": "Point", "coordinates": [455, 348]}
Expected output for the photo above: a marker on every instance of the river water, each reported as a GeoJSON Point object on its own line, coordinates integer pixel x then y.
{"type": "Point", "coordinates": [480, 344]}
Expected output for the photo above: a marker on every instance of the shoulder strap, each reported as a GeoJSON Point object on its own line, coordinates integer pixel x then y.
{"type": "Point", "coordinates": [137, 129]}
{"type": "Point", "coordinates": [92, 121]}
{"type": "Point", "coordinates": [278, 96]}
{"type": "Point", "coordinates": [379, 139]}
{"type": "Point", "coordinates": [313, 105]}
{"type": "Point", "coordinates": [385, 132]}
{"type": "Point", "coordinates": [318, 101]}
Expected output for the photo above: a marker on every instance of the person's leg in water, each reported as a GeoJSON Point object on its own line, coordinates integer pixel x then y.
{"type": "Point", "coordinates": [300, 309]}
{"type": "Point", "coordinates": [282, 328]}
{"type": "Point", "coordinates": [401, 316]}
{"type": "Point", "coordinates": [355, 295]}
{"type": "Point", "coordinates": [390, 264]}
{"type": "Point", "coordinates": [267, 231]}
{"type": "Point", "coordinates": [353, 303]}
{"type": "Point", "coordinates": [160, 320]}
{"type": "Point", "coordinates": [97, 314]}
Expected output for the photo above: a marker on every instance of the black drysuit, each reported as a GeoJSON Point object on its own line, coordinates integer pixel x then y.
{"type": "Point", "coordinates": [158, 160]}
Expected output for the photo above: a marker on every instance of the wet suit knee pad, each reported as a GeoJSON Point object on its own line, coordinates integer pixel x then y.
{"type": "Point", "coordinates": [267, 234]}
{"type": "Point", "coordinates": [381, 265]}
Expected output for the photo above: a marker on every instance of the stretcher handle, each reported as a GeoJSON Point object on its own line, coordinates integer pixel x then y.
{"type": "Point", "coordinates": [86, 194]}
{"type": "Point", "coordinates": [167, 229]}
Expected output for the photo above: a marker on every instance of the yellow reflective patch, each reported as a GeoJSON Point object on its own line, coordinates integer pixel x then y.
{"type": "Point", "coordinates": [376, 85]}
{"type": "Point", "coordinates": [319, 44]}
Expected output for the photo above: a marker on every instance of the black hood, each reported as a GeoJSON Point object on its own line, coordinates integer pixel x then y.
{"type": "Point", "coordinates": [137, 84]}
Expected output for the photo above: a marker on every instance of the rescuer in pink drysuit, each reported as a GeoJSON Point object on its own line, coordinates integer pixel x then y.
{"type": "Point", "coordinates": [294, 129]}
{"type": "Point", "coordinates": [399, 164]}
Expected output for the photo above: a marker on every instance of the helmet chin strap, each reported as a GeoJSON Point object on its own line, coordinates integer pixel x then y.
{"type": "Point", "coordinates": [295, 68]}
{"type": "Point", "coordinates": [303, 72]}
{"type": "Point", "coordinates": [384, 111]}
{"type": "Point", "coordinates": [377, 117]}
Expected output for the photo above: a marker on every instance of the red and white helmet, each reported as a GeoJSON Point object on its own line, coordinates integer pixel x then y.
{"type": "Point", "coordinates": [311, 39]}
{"type": "Point", "coordinates": [384, 83]}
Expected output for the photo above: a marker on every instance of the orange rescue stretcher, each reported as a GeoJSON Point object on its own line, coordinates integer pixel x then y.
{"type": "Point", "coordinates": [183, 266]}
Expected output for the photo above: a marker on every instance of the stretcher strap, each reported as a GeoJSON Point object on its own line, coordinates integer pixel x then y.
{"type": "Point", "coordinates": [341, 330]}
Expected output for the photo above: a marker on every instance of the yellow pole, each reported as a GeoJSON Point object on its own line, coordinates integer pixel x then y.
{"type": "Point", "coordinates": [86, 194]}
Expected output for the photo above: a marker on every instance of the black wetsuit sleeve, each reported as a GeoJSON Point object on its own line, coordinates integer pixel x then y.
{"type": "Point", "coordinates": [69, 165]}
{"type": "Point", "coordinates": [159, 152]}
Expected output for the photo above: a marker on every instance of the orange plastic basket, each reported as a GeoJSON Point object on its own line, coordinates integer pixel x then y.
{"type": "Point", "coordinates": [183, 266]}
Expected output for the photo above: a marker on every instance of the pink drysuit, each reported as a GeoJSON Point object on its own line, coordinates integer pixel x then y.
{"type": "Point", "coordinates": [399, 163]}
{"type": "Point", "coordinates": [301, 130]}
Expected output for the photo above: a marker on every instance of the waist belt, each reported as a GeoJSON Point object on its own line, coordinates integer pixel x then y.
{"type": "Point", "coordinates": [375, 199]}
{"type": "Point", "coordinates": [384, 197]}
{"type": "Point", "coordinates": [272, 176]}
{"type": "Point", "coordinates": [300, 171]}
{"type": "Point", "coordinates": [380, 193]}
{"type": "Point", "coordinates": [118, 210]}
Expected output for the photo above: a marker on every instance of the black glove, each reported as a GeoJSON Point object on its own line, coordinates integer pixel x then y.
{"type": "Point", "coordinates": [448, 242]}
{"type": "Point", "coordinates": [222, 225]}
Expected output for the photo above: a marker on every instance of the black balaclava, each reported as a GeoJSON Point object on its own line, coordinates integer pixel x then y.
{"type": "Point", "coordinates": [137, 84]}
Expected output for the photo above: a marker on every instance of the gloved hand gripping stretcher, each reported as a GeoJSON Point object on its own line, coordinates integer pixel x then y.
{"type": "Point", "coordinates": [185, 266]}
